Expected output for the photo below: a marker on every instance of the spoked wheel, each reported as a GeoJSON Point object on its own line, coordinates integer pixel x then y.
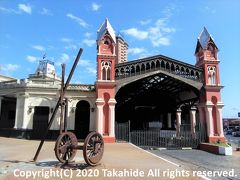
{"type": "Point", "coordinates": [93, 148]}
{"type": "Point", "coordinates": [64, 147]}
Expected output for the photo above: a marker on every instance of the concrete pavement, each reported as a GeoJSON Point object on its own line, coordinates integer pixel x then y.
{"type": "Point", "coordinates": [196, 160]}
{"type": "Point", "coordinates": [120, 160]}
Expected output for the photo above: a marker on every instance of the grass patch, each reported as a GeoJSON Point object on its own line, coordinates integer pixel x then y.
{"type": "Point", "coordinates": [220, 144]}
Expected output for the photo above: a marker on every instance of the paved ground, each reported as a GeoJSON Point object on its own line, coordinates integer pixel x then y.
{"type": "Point", "coordinates": [15, 156]}
{"type": "Point", "coordinates": [234, 141]}
{"type": "Point", "coordinates": [196, 160]}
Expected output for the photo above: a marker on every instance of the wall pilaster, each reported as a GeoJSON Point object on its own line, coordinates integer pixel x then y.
{"type": "Point", "coordinates": [99, 123]}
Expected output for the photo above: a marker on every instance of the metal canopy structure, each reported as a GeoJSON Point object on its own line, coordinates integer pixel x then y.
{"type": "Point", "coordinates": [153, 87]}
{"type": "Point", "coordinates": [160, 76]}
{"type": "Point", "coordinates": [157, 85]}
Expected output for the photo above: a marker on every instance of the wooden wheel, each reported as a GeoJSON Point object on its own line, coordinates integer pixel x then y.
{"type": "Point", "coordinates": [64, 150]}
{"type": "Point", "coordinates": [93, 148]}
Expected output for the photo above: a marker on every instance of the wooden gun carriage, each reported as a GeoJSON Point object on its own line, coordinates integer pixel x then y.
{"type": "Point", "coordinates": [66, 145]}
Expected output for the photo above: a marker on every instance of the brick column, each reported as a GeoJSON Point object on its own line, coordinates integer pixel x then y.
{"type": "Point", "coordinates": [99, 119]}
{"type": "Point", "coordinates": [209, 120]}
{"type": "Point", "coordinates": [193, 120]}
{"type": "Point", "coordinates": [178, 121]}
{"type": "Point", "coordinates": [111, 125]}
{"type": "Point", "coordinates": [220, 121]}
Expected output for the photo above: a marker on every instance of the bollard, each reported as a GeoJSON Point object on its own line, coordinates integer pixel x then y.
{"type": "Point", "coordinates": [238, 148]}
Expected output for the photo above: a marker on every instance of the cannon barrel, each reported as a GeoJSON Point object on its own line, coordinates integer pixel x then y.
{"type": "Point", "coordinates": [59, 102]}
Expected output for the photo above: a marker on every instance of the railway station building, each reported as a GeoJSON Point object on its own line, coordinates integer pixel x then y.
{"type": "Point", "coordinates": [152, 94]}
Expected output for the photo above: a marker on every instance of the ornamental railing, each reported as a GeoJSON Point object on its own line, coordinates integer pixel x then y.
{"type": "Point", "coordinates": [156, 63]}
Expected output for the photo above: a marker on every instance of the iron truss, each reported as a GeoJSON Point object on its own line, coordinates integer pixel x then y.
{"type": "Point", "coordinates": [157, 85]}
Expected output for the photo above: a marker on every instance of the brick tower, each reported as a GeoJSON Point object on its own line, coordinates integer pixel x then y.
{"type": "Point", "coordinates": [210, 106]}
{"type": "Point", "coordinates": [105, 84]}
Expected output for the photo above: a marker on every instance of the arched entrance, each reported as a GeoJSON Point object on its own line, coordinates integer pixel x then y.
{"type": "Point", "coordinates": [82, 119]}
{"type": "Point", "coordinates": [150, 105]}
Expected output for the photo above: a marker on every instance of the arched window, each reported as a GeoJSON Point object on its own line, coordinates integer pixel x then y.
{"type": "Point", "coordinates": [211, 75]}
{"type": "Point", "coordinates": [104, 74]}
{"type": "Point", "coordinates": [211, 49]}
{"type": "Point", "coordinates": [108, 73]}
{"type": "Point", "coordinates": [106, 70]}
{"type": "Point", "coordinates": [106, 42]}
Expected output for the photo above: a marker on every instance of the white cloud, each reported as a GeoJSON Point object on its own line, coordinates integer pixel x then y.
{"type": "Point", "coordinates": [88, 34]}
{"type": "Point", "coordinates": [22, 8]}
{"type": "Point", "coordinates": [9, 67]}
{"type": "Point", "coordinates": [145, 22]}
{"type": "Point", "coordinates": [63, 59]}
{"type": "Point", "coordinates": [83, 62]}
{"type": "Point", "coordinates": [80, 21]}
{"type": "Point", "coordinates": [89, 42]}
{"type": "Point", "coordinates": [95, 6]}
{"type": "Point", "coordinates": [158, 33]}
{"type": "Point", "coordinates": [46, 11]}
{"type": "Point", "coordinates": [39, 47]}
{"type": "Point", "coordinates": [8, 10]}
{"type": "Point", "coordinates": [66, 40]}
{"type": "Point", "coordinates": [69, 42]}
{"type": "Point", "coordinates": [91, 70]}
{"type": "Point", "coordinates": [71, 46]}
{"type": "Point", "coordinates": [31, 59]}
{"type": "Point", "coordinates": [157, 41]}
{"type": "Point", "coordinates": [25, 8]}
{"type": "Point", "coordinates": [136, 50]}
{"type": "Point", "coordinates": [136, 33]}
{"type": "Point", "coordinates": [88, 66]}
{"type": "Point", "coordinates": [209, 10]}
{"type": "Point", "coordinates": [169, 10]}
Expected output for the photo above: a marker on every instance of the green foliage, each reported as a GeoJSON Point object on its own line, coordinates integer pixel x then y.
{"type": "Point", "coordinates": [221, 144]}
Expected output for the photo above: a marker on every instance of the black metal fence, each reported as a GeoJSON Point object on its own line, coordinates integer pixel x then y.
{"type": "Point", "coordinates": [161, 138]}
{"type": "Point", "coordinates": [165, 139]}
{"type": "Point", "coordinates": [122, 131]}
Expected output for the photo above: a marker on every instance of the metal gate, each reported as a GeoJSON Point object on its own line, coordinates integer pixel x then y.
{"type": "Point", "coordinates": [161, 138]}
{"type": "Point", "coordinates": [122, 131]}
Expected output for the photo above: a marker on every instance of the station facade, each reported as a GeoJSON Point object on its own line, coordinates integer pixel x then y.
{"type": "Point", "coordinates": [154, 92]}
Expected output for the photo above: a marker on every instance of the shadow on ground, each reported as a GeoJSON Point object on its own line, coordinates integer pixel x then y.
{"type": "Point", "coordinates": [49, 164]}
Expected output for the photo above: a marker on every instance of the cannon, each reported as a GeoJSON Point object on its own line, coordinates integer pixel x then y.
{"type": "Point", "coordinates": [66, 145]}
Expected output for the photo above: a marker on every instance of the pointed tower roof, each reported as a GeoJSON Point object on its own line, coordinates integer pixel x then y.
{"type": "Point", "coordinates": [106, 27]}
{"type": "Point", "coordinates": [204, 38]}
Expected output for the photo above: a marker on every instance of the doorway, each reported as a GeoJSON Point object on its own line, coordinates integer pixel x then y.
{"type": "Point", "coordinates": [8, 112]}
{"type": "Point", "coordinates": [82, 119]}
{"type": "Point", "coordinates": [40, 121]}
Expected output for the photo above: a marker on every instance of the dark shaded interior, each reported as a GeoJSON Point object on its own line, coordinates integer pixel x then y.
{"type": "Point", "coordinates": [151, 99]}
{"type": "Point", "coordinates": [40, 121]}
{"type": "Point", "coordinates": [82, 119]}
{"type": "Point", "coordinates": [8, 113]}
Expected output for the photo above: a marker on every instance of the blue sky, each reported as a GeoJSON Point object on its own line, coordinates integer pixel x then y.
{"type": "Point", "coordinates": [28, 29]}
